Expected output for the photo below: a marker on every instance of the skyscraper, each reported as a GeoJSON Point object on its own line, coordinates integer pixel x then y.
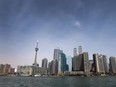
{"type": "Point", "coordinates": [62, 66]}
{"type": "Point", "coordinates": [55, 61]}
{"type": "Point", "coordinates": [74, 52]}
{"type": "Point", "coordinates": [57, 53]}
{"type": "Point", "coordinates": [91, 65]}
{"type": "Point", "coordinates": [35, 61]}
{"type": "Point", "coordinates": [80, 49]}
{"type": "Point", "coordinates": [98, 63]}
{"type": "Point", "coordinates": [69, 62]}
{"type": "Point", "coordinates": [45, 63]}
{"type": "Point", "coordinates": [54, 67]}
{"type": "Point", "coordinates": [95, 61]}
{"type": "Point", "coordinates": [77, 63]}
{"type": "Point", "coordinates": [6, 69]}
{"type": "Point", "coordinates": [105, 62]}
{"type": "Point", "coordinates": [49, 68]}
{"type": "Point", "coordinates": [74, 60]}
{"type": "Point", "coordinates": [86, 63]}
{"type": "Point", "coordinates": [1, 69]}
{"type": "Point", "coordinates": [112, 61]}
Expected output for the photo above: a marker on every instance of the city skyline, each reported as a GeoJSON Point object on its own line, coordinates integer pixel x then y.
{"type": "Point", "coordinates": [55, 23]}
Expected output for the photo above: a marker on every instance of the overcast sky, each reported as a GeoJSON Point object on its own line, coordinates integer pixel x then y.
{"type": "Point", "coordinates": [55, 23]}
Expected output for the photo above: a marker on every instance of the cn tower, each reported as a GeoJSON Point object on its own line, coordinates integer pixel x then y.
{"type": "Point", "coordinates": [35, 61]}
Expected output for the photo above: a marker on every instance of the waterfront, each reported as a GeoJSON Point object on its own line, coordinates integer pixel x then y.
{"type": "Point", "coordinates": [109, 81]}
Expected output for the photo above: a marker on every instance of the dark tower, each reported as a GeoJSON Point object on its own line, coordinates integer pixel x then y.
{"type": "Point", "coordinates": [35, 61]}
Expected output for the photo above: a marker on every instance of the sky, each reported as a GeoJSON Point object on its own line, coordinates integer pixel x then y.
{"type": "Point", "coordinates": [66, 24]}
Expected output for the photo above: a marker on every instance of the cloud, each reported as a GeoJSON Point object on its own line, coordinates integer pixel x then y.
{"type": "Point", "coordinates": [77, 24]}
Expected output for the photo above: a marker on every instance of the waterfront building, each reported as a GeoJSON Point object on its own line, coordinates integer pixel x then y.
{"type": "Point", "coordinates": [44, 63]}
{"type": "Point", "coordinates": [1, 69]}
{"type": "Point", "coordinates": [54, 67]}
{"type": "Point", "coordinates": [80, 50]}
{"type": "Point", "coordinates": [74, 59]}
{"type": "Point", "coordinates": [101, 64]}
{"type": "Point", "coordinates": [112, 64]}
{"type": "Point", "coordinates": [31, 70]}
{"type": "Point", "coordinates": [77, 63]}
{"type": "Point", "coordinates": [74, 63]}
{"type": "Point", "coordinates": [91, 65]}
{"type": "Point", "coordinates": [11, 70]}
{"type": "Point", "coordinates": [86, 63]}
{"type": "Point", "coordinates": [6, 69]}
{"type": "Point", "coordinates": [62, 66]}
{"type": "Point", "coordinates": [69, 62]}
{"type": "Point", "coordinates": [105, 62]}
{"type": "Point", "coordinates": [98, 64]}
{"type": "Point", "coordinates": [49, 68]}
{"type": "Point", "coordinates": [80, 63]}
{"type": "Point", "coordinates": [24, 70]}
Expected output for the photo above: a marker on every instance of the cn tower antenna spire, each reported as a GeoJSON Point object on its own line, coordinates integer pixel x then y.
{"type": "Point", "coordinates": [37, 44]}
{"type": "Point", "coordinates": [35, 61]}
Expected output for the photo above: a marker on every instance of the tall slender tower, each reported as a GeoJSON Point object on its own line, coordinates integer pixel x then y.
{"type": "Point", "coordinates": [35, 61]}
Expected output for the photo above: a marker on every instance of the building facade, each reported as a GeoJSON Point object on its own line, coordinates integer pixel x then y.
{"type": "Point", "coordinates": [31, 70]}
{"type": "Point", "coordinates": [74, 52]}
{"type": "Point", "coordinates": [44, 63]}
{"type": "Point", "coordinates": [62, 66]}
{"type": "Point", "coordinates": [98, 64]}
{"type": "Point", "coordinates": [69, 62]}
{"type": "Point", "coordinates": [57, 53]}
{"type": "Point", "coordinates": [6, 69]}
{"type": "Point", "coordinates": [54, 67]}
{"type": "Point", "coordinates": [112, 64]}
{"type": "Point", "coordinates": [80, 50]}
{"type": "Point", "coordinates": [86, 64]}
{"type": "Point", "coordinates": [106, 65]}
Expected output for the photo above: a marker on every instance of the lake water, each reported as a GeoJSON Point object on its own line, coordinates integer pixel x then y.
{"type": "Point", "coordinates": [58, 81]}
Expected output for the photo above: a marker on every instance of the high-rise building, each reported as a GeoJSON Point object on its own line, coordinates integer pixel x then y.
{"type": "Point", "coordinates": [74, 63]}
{"type": "Point", "coordinates": [45, 63]}
{"type": "Point", "coordinates": [77, 63]}
{"type": "Point", "coordinates": [54, 67]}
{"type": "Point", "coordinates": [62, 66]}
{"type": "Point", "coordinates": [95, 61]}
{"type": "Point", "coordinates": [77, 60]}
{"type": "Point", "coordinates": [91, 65]}
{"type": "Point", "coordinates": [57, 53]}
{"type": "Point", "coordinates": [49, 68]}
{"type": "Point", "coordinates": [80, 49]}
{"type": "Point", "coordinates": [74, 60]}
{"type": "Point", "coordinates": [74, 52]}
{"type": "Point", "coordinates": [6, 69]}
{"type": "Point", "coordinates": [35, 61]}
{"type": "Point", "coordinates": [80, 65]}
{"type": "Point", "coordinates": [112, 61]}
{"type": "Point", "coordinates": [1, 69]}
{"type": "Point", "coordinates": [98, 63]}
{"type": "Point", "coordinates": [105, 62]}
{"type": "Point", "coordinates": [86, 63]}
{"type": "Point", "coordinates": [69, 62]}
